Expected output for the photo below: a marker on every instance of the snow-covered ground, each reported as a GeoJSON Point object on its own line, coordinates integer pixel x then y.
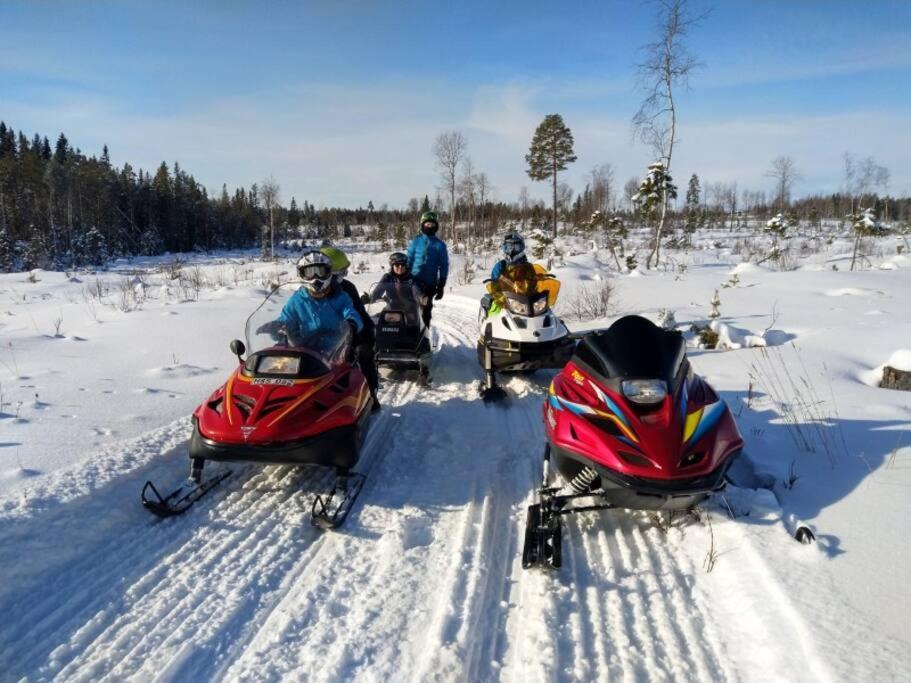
{"type": "Point", "coordinates": [100, 372]}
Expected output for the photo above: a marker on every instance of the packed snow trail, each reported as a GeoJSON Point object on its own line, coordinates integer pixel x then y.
{"type": "Point", "coordinates": [423, 581]}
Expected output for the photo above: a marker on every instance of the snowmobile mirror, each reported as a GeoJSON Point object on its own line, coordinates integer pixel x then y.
{"type": "Point", "coordinates": [238, 349]}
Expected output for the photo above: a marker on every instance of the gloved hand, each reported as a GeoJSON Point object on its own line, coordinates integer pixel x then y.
{"type": "Point", "coordinates": [351, 349]}
{"type": "Point", "coordinates": [440, 289]}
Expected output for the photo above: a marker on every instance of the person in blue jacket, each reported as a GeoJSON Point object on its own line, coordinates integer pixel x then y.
{"type": "Point", "coordinates": [316, 314]}
{"type": "Point", "coordinates": [513, 248]}
{"type": "Point", "coordinates": [428, 262]}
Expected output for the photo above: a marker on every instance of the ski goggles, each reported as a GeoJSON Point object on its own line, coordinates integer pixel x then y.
{"type": "Point", "coordinates": [314, 271]}
{"type": "Point", "coordinates": [399, 264]}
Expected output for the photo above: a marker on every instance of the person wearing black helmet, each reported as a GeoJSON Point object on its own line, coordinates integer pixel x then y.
{"type": "Point", "coordinates": [513, 248]}
{"type": "Point", "coordinates": [398, 269]}
{"type": "Point", "coordinates": [428, 261]}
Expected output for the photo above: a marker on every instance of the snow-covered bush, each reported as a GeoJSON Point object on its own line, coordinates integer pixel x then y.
{"type": "Point", "coordinates": [666, 319]}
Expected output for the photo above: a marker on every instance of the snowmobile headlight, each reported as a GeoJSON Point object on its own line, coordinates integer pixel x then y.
{"type": "Point", "coordinates": [279, 365]}
{"type": "Point", "coordinates": [518, 307]}
{"type": "Point", "coordinates": [646, 392]}
{"type": "Point", "coordinates": [540, 305]}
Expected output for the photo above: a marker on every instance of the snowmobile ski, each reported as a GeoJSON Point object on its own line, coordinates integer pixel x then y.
{"type": "Point", "coordinates": [544, 528]}
{"type": "Point", "coordinates": [329, 511]}
{"type": "Point", "coordinates": [180, 499]}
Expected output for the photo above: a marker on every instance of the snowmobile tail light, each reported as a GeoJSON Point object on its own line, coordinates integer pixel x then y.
{"type": "Point", "coordinates": [645, 392]}
{"type": "Point", "coordinates": [279, 365]}
{"type": "Point", "coordinates": [392, 317]}
{"type": "Point", "coordinates": [540, 305]}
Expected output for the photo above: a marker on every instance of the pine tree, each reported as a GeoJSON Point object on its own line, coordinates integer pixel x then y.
{"type": "Point", "coordinates": [62, 149]}
{"type": "Point", "coordinates": [550, 151]}
{"type": "Point", "coordinates": [691, 210]}
{"type": "Point", "coordinates": [7, 255]}
{"type": "Point", "coordinates": [425, 205]}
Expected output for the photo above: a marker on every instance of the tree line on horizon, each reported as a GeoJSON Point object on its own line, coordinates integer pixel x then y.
{"type": "Point", "coordinates": [60, 208]}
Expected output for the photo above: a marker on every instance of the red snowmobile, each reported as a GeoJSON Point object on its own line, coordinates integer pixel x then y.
{"type": "Point", "coordinates": [629, 425]}
{"type": "Point", "coordinates": [290, 402]}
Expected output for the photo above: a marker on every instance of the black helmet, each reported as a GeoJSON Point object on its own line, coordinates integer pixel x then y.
{"type": "Point", "coordinates": [397, 257]}
{"type": "Point", "coordinates": [513, 246]}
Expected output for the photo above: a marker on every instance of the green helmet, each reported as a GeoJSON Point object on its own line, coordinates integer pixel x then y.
{"type": "Point", "coordinates": [429, 217]}
{"type": "Point", "coordinates": [337, 260]}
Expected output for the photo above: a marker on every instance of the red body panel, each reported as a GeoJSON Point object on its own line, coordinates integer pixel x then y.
{"type": "Point", "coordinates": [262, 411]}
{"type": "Point", "coordinates": [583, 416]}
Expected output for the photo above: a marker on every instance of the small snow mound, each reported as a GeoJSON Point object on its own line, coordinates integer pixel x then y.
{"type": "Point", "coordinates": [852, 291]}
{"type": "Point", "coordinates": [747, 267]}
{"type": "Point", "coordinates": [730, 337]}
{"type": "Point", "coordinates": [635, 273]}
{"type": "Point", "coordinates": [18, 473]}
{"type": "Point", "coordinates": [900, 360]}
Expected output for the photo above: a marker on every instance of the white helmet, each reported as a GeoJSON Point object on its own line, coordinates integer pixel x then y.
{"type": "Point", "coordinates": [316, 272]}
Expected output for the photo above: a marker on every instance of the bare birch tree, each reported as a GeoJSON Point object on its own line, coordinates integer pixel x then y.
{"type": "Point", "coordinates": [524, 203]}
{"type": "Point", "coordinates": [448, 150]}
{"type": "Point", "coordinates": [785, 173]}
{"type": "Point", "coordinates": [667, 64]}
{"type": "Point", "coordinates": [270, 192]}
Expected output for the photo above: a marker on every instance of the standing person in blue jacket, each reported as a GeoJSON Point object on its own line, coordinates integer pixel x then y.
{"type": "Point", "coordinates": [317, 312]}
{"type": "Point", "coordinates": [428, 261]}
{"type": "Point", "coordinates": [513, 249]}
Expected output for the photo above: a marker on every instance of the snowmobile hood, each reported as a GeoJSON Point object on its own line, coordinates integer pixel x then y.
{"type": "Point", "coordinates": [257, 410]}
{"type": "Point", "coordinates": [689, 433]}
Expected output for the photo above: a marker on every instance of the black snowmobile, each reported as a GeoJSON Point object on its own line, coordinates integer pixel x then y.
{"type": "Point", "coordinates": [402, 339]}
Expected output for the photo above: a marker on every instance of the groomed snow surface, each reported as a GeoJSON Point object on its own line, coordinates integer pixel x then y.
{"type": "Point", "coordinates": [425, 582]}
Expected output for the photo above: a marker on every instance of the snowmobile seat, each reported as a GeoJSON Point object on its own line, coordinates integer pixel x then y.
{"type": "Point", "coordinates": [634, 348]}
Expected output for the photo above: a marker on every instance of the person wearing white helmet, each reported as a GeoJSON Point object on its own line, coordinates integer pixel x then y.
{"type": "Point", "coordinates": [320, 306]}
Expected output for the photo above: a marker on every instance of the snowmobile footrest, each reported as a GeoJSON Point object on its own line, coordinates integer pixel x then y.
{"type": "Point", "coordinates": [329, 511]}
{"type": "Point", "coordinates": [180, 499]}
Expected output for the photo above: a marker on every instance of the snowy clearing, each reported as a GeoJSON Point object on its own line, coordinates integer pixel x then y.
{"type": "Point", "coordinates": [425, 579]}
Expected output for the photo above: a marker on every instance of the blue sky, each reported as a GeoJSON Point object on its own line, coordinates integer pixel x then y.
{"type": "Point", "coordinates": [341, 101]}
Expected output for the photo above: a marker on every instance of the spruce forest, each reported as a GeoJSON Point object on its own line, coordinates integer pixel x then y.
{"type": "Point", "coordinates": [61, 208]}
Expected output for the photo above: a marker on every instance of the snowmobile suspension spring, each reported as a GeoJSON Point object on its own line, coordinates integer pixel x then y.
{"type": "Point", "coordinates": [582, 482]}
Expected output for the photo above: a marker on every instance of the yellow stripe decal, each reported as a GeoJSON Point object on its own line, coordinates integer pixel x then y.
{"type": "Point", "coordinates": [303, 398]}
{"type": "Point", "coordinates": [692, 421]}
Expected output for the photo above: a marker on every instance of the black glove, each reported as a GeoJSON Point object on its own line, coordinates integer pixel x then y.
{"type": "Point", "coordinates": [440, 289]}
{"type": "Point", "coordinates": [351, 348]}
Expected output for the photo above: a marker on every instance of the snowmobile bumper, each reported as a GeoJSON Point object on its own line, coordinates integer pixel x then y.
{"type": "Point", "coordinates": [511, 355]}
{"type": "Point", "coordinates": [638, 493]}
{"type": "Point", "coordinates": [333, 448]}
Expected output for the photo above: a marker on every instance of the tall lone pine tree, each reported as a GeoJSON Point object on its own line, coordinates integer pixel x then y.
{"type": "Point", "coordinates": [551, 150]}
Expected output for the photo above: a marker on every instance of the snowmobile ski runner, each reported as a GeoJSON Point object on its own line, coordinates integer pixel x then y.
{"type": "Point", "coordinates": [519, 330]}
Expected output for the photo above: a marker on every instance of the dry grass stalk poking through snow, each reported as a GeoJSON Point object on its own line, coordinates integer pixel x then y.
{"type": "Point", "coordinates": [793, 393]}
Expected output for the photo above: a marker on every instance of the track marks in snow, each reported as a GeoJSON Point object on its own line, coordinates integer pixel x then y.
{"type": "Point", "coordinates": [424, 581]}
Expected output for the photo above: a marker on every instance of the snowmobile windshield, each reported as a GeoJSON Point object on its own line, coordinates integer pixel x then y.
{"type": "Point", "coordinates": [526, 283]}
{"type": "Point", "coordinates": [402, 297]}
{"type": "Point", "coordinates": [265, 329]}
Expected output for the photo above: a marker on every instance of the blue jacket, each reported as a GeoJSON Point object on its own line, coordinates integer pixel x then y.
{"type": "Point", "coordinates": [500, 265]}
{"type": "Point", "coordinates": [318, 322]}
{"type": "Point", "coordinates": [428, 261]}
